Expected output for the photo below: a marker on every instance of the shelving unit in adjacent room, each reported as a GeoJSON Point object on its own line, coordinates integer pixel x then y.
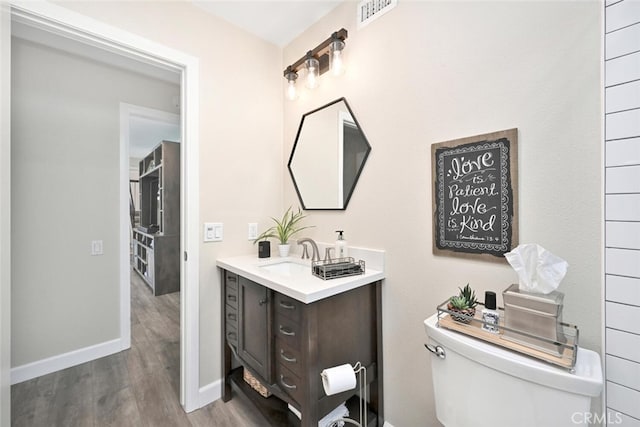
{"type": "Point", "coordinates": [157, 238]}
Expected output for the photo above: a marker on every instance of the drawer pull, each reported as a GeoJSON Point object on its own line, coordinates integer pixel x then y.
{"type": "Point", "coordinates": [286, 358]}
{"type": "Point", "coordinates": [287, 332]}
{"type": "Point", "coordinates": [287, 306]}
{"type": "Point", "coordinates": [232, 298]}
{"type": "Point", "coordinates": [231, 278]}
{"type": "Point", "coordinates": [232, 316]}
{"type": "Point", "coordinates": [284, 383]}
{"type": "Point", "coordinates": [232, 336]}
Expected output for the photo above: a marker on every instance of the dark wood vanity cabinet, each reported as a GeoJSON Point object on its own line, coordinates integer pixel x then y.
{"type": "Point", "coordinates": [255, 339]}
{"type": "Point", "coordinates": [286, 344]}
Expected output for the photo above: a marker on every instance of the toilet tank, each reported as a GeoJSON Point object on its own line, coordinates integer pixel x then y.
{"type": "Point", "coordinates": [477, 384]}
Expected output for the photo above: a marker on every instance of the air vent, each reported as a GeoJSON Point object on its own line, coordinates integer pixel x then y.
{"type": "Point", "coordinates": [370, 10]}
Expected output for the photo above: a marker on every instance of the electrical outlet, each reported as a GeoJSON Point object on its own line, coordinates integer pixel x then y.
{"type": "Point", "coordinates": [96, 247]}
{"type": "Point", "coordinates": [253, 231]}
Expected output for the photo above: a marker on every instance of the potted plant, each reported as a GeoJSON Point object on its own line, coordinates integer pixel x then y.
{"type": "Point", "coordinates": [462, 307]}
{"type": "Point", "coordinates": [284, 229]}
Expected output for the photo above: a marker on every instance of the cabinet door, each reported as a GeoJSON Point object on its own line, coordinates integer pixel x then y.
{"type": "Point", "coordinates": [254, 344]}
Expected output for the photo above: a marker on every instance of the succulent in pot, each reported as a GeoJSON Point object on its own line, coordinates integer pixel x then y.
{"type": "Point", "coordinates": [462, 307]}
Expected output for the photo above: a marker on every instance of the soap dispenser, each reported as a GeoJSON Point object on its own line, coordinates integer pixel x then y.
{"type": "Point", "coordinates": [341, 246]}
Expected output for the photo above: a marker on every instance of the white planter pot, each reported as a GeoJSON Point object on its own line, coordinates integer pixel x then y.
{"type": "Point", "coordinates": [283, 250]}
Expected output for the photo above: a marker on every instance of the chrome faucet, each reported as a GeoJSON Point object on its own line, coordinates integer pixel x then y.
{"type": "Point", "coordinates": [315, 256]}
{"type": "Point", "coordinates": [327, 254]}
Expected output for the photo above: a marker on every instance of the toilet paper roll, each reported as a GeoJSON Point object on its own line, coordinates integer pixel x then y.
{"type": "Point", "coordinates": [338, 379]}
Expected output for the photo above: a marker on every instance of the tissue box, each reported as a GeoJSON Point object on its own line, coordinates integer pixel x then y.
{"type": "Point", "coordinates": [535, 314]}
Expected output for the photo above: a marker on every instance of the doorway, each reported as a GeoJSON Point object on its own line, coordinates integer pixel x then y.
{"type": "Point", "coordinates": [60, 21]}
{"type": "Point", "coordinates": [142, 131]}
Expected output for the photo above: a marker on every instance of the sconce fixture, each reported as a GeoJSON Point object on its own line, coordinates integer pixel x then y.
{"type": "Point", "coordinates": [327, 55]}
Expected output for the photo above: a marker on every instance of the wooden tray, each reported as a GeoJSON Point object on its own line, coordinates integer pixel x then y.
{"type": "Point", "coordinates": [566, 360]}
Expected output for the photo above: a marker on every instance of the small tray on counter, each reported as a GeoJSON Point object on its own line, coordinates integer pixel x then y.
{"type": "Point", "coordinates": [567, 351]}
{"type": "Point", "coordinates": [336, 268]}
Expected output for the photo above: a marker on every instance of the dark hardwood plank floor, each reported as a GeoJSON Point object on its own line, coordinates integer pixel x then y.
{"type": "Point", "coordinates": [136, 387]}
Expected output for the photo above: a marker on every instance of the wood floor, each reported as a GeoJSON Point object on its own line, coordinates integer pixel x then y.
{"type": "Point", "coordinates": [136, 387]}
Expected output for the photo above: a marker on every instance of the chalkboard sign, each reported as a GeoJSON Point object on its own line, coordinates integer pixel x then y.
{"type": "Point", "coordinates": [475, 195]}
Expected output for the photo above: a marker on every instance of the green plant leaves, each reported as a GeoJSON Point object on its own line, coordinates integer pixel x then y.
{"type": "Point", "coordinates": [285, 227]}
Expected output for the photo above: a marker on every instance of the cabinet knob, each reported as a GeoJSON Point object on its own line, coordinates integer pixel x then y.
{"type": "Point", "coordinates": [263, 301]}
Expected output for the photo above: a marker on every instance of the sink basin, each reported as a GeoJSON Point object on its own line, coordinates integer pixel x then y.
{"type": "Point", "coordinates": [287, 268]}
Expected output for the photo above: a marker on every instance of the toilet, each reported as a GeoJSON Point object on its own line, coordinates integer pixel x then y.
{"type": "Point", "coordinates": [477, 384]}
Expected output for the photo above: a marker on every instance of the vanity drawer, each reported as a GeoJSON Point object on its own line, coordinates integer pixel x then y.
{"type": "Point", "coordinates": [288, 307]}
{"type": "Point", "coordinates": [232, 335]}
{"type": "Point", "coordinates": [289, 382]}
{"type": "Point", "coordinates": [231, 279]}
{"type": "Point", "coordinates": [287, 331]}
{"type": "Point", "coordinates": [231, 295]}
{"type": "Point", "coordinates": [231, 316]}
{"type": "Point", "coordinates": [288, 357]}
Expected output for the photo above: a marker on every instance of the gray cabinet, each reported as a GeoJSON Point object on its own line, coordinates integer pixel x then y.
{"type": "Point", "coordinates": [157, 239]}
{"type": "Point", "coordinates": [286, 344]}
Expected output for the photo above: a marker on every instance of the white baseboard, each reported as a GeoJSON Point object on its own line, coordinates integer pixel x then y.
{"type": "Point", "coordinates": [63, 361]}
{"type": "Point", "coordinates": [210, 393]}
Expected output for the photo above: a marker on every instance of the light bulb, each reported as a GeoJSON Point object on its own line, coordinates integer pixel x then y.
{"type": "Point", "coordinates": [336, 60]}
{"type": "Point", "coordinates": [292, 94]}
{"type": "Point", "coordinates": [312, 66]}
{"type": "Point", "coordinates": [290, 91]}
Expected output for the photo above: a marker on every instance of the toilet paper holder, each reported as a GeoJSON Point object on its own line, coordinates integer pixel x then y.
{"type": "Point", "coordinates": [361, 372]}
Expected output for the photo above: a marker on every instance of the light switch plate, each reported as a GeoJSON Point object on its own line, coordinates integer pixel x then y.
{"type": "Point", "coordinates": [213, 231]}
{"type": "Point", "coordinates": [253, 231]}
{"type": "Point", "coordinates": [96, 247]}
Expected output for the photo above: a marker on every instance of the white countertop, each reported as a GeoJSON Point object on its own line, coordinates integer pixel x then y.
{"type": "Point", "coordinates": [304, 287]}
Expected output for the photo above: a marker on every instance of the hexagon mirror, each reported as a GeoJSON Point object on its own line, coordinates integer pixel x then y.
{"type": "Point", "coordinates": [328, 156]}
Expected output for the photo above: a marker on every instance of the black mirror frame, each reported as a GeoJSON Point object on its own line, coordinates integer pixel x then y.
{"type": "Point", "coordinates": [357, 176]}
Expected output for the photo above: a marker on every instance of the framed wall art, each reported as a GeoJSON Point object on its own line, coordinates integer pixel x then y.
{"type": "Point", "coordinates": [475, 195]}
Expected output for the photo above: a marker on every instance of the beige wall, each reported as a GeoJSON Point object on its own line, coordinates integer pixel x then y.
{"type": "Point", "coordinates": [241, 168]}
{"type": "Point", "coordinates": [65, 177]}
{"type": "Point", "coordinates": [433, 71]}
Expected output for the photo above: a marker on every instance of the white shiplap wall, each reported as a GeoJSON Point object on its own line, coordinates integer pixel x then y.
{"type": "Point", "coordinates": [622, 212]}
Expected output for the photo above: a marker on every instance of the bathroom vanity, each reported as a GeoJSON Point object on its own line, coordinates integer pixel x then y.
{"type": "Point", "coordinates": [286, 326]}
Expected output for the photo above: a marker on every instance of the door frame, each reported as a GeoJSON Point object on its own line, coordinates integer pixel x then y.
{"type": "Point", "coordinates": [5, 214]}
{"type": "Point", "coordinates": [62, 21]}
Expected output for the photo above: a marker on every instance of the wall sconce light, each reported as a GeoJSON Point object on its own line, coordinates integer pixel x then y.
{"type": "Point", "coordinates": [312, 68]}
{"type": "Point", "coordinates": [327, 55]}
{"type": "Point", "coordinates": [335, 59]}
{"type": "Point", "coordinates": [291, 77]}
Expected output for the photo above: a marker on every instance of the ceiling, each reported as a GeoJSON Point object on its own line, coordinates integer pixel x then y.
{"type": "Point", "coordinates": [277, 21]}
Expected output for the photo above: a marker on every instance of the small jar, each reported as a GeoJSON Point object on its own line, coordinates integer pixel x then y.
{"type": "Point", "coordinates": [490, 315]}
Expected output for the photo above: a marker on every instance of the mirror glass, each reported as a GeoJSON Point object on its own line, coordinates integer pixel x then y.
{"type": "Point", "coordinates": [328, 156]}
